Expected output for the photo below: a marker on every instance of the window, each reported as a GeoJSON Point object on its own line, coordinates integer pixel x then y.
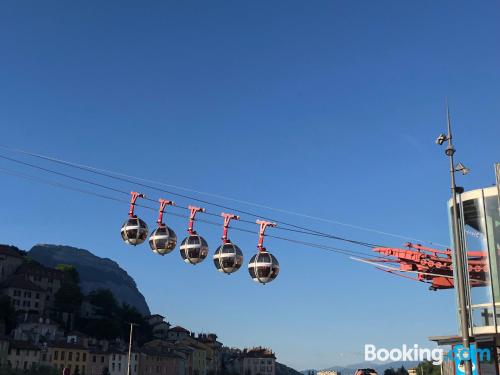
{"type": "Point", "coordinates": [77, 356]}
{"type": "Point", "coordinates": [102, 359]}
{"type": "Point", "coordinates": [94, 358]}
{"type": "Point", "coordinates": [18, 352]}
{"type": "Point", "coordinates": [113, 367]}
{"type": "Point", "coordinates": [84, 357]}
{"type": "Point", "coordinates": [37, 296]}
{"type": "Point", "coordinates": [62, 355]}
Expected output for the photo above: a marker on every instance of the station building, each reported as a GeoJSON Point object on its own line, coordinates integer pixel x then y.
{"type": "Point", "coordinates": [479, 218]}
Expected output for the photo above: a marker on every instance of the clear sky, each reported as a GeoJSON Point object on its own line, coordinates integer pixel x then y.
{"type": "Point", "coordinates": [328, 108]}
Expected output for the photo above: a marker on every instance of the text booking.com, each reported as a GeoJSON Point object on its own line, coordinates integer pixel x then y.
{"type": "Point", "coordinates": [415, 353]}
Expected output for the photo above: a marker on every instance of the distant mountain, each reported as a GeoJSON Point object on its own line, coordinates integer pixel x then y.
{"type": "Point", "coordinates": [95, 272]}
{"type": "Point", "coordinates": [379, 367]}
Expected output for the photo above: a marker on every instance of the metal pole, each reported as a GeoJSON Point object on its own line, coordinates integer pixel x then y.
{"type": "Point", "coordinates": [459, 256]}
{"type": "Point", "coordinates": [130, 347]}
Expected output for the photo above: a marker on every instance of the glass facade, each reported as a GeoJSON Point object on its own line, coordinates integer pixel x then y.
{"type": "Point", "coordinates": [479, 218]}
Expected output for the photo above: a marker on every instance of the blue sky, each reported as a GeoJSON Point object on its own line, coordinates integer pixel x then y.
{"type": "Point", "coordinates": [328, 108]}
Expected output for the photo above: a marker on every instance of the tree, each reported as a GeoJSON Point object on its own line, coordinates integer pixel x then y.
{"type": "Point", "coordinates": [427, 368]}
{"type": "Point", "coordinates": [143, 332]}
{"type": "Point", "coordinates": [105, 371]}
{"type": "Point", "coordinates": [390, 371]}
{"type": "Point", "coordinates": [68, 298]}
{"type": "Point", "coordinates": [7, 313]}
{"type": "Point", "coordinates": [105, 302]}
{"type": "Point", "coordinates": [70, 271]}
{"type": "Point", "coordinates": [401, 371]}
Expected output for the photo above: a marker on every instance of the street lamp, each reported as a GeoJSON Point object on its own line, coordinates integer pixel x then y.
{"type": "Point", "coordinates": [457, 239]}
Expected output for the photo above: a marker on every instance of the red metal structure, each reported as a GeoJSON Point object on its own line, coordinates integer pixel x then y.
{"type": "Point", "coordinates": [430, 266]}
{"type": "Point", "coordinates": [227, 220]}
{"type": "Point", "coordinates": [192, 214]}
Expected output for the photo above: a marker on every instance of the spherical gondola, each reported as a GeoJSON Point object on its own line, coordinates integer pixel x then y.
{"type": "Point", "coordinates": [263, 267]}
{"type": "Point", "coordinates": [194, 249]}
{"type": "Point", "coordinates": [228, 258]}
{"type": "Point", "coordinates": [163, 240]}
{"type": "Point", "coordinates": [134, 231]}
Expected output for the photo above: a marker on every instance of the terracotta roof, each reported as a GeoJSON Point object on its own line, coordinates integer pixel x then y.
{"type": "Point", "coordinates": [20, 282]}
{"type": "Point", "coordinates": [11, 251]}
{"type": "Point", "coordinates": [179, 329]}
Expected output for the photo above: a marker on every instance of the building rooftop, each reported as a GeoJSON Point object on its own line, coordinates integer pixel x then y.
{"type": "Point", "coordinates": [10, 251]}
{"type": "Point", "coordinates": [179, 329]}
{"type": "Point", "coordinates": [17, 344]}
{"type": "Point", "coordinates": [36, 269]}
{"type": "Point", "coordinates": [20, 282]}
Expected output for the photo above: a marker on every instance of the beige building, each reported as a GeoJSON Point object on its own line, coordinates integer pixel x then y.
{"type": "Point", "coordinates": [97, 362]}
{"type": "Point", "coordinates": [159, 358]}
{"type": "Point", "coordinates": [214, 354]}
{"type": "Point", "coordinates": [24, 294]}
{"type": "Point", "coordinates": [159, 325]}
{"type": "Point", "coordinates": [71, 355]}
{"type": "Point", "coordinates": [23, 355]}
{"type": "Point", "coordinates": [49, 279]}
{"type": "Point", "coordinates": [10, 260]}
{"type": "Point", "coordinates": [258, 361]}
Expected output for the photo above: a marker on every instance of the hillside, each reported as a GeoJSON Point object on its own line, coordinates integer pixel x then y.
{"type": "Point", "coordinates": [95, 272]}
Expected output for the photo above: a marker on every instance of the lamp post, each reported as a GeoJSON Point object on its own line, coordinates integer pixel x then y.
{"type": "Point", "coordinates": [130, 347]}
{"type": "Point", "coordinates": [457, 239]}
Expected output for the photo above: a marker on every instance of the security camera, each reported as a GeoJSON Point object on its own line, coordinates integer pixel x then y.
{"type": "Point", "coordinates": [441, 139]}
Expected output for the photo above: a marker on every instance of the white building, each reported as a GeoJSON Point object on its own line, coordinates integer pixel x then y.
{"type": "Point", "coordinates": [118, 362]}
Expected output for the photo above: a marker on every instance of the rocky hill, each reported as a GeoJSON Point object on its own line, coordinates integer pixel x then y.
{"type": "Point", "coordinates": [95, 272]}
{"type": "Point", "coordinates": [282, 369]}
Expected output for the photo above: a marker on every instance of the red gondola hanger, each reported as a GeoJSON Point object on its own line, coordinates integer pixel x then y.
{"type": "Point", "coordinates": [134, 196]}
{"type": "Point", "coordinates": [227, 220]}
{"type": "Point", "coordinates": [263, 225]}
{"type": "Point", "coordinates": [163, 204]}
{"type": "Point", "coordinates": [193, 210]}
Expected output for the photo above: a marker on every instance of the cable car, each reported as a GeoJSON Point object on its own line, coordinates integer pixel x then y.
{"type": "Point", "coordinates": [228, 258]}
{"type": "Point", "coordinates": [163, 239]}
{"type": "Point", "coordinates": [194, 248]}
{"type": "Point", "coordinates": [263, 267]}
{"type": "Point", "coordinates": [134, 231]}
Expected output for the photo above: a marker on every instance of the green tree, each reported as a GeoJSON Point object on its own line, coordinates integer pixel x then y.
{"type": "Point", "coordinates": [105, 302]}
{"type": "Point", "coordinates": [390, 371]}
{"type": "Point", "coordinates": [401, 371]}
{"type": "Point", "coordinates": [143, 332]}
{"type": "Point", "coordinates": [68, 298]}
{"type": "Point", "coordinates": [427, 368]}
{"type": "Point", "coordinates": [70, 271]}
